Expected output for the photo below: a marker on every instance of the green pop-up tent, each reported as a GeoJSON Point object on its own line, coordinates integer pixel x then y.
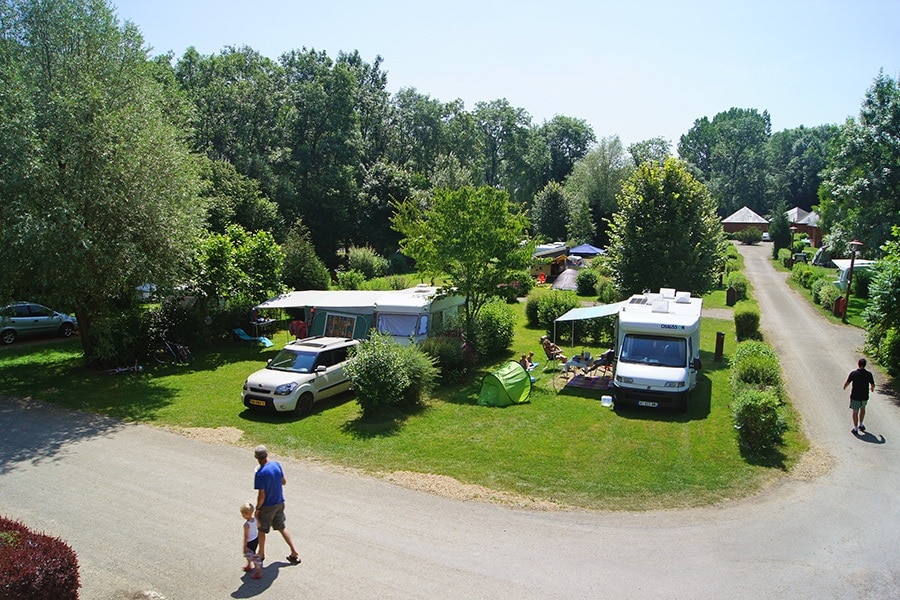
{"type": "Point", "coordinates": [510, 384]}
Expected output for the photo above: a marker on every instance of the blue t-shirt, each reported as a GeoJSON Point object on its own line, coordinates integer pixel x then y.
{"type": "Point", "coordinates": [268, 478]}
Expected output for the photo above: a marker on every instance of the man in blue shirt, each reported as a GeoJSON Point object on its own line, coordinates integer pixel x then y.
{"type": "Point", "coordinates": [269, 481]}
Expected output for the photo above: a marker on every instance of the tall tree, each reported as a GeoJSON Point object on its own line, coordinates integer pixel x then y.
{"type": "Point", "coordinates": [655, 149]}
{"type": "Point", "coordinates": [596, 179]}
{"type": "Point", "coordinates": [731, 153]}
{"type": "Point", "coordinates": [861, 187]}
{"type": "Point", "coordinates": [796, 160]}
{"type": "Point", "coordinates": [100, 189]}
{"type": "Point", "coordinates": [550, 214]}
{"type": "Point", "coordinates": [473, 236]}
{"type": "Point", "coordinates": [568, 140]}
{"type": "Point", "coordinates": [666, 232]}
{"type": "Point", "coordinates": [503, 131]}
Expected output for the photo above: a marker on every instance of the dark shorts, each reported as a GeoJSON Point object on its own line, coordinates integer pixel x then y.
{"type": "Point", "coordinates": [252, 545]}
{"type": "Point", "coordinates": [271, 517]}
{"type": "Point", "coordinates": [857, 404]}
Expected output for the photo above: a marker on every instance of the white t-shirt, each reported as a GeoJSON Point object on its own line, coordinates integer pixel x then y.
{"type": "Point", "coordinates": [253, 531]}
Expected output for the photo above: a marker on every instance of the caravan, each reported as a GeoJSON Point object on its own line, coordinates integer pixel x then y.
{"type": "Point", "coordinates": [658, 341]}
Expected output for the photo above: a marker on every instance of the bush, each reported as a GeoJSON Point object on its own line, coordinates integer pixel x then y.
{"type": "Point", "coordinates": [532, 304]}
{"type": "Point", "coordinates": [746, 320]}
{"type": "Point", "coordinates": [889, 351]}
{"type": "Point", "coordinates": [586, 282]}
{"type": "Point", "coordinates": [755, 364]}
{"type": "Point", "coordinates": [552, 305]}
{"type": "Point", "coordinates": [731, 265]}
{"type": "Point", "coordinates": [350, 280]}
{"type": "Point", "coordinates": [739, 282]}
{"type": "Point", "coordinates": [368, 262]}
{"type": "Point", "coordinates": [784, 254]}
{"type": "Point", "coordinates": [34, 566]}
{"type": "Point", "coordinates": [606, 290]}
{"type": "Point", "coordinates": [803, 274]}
{"type": "Point", "coordinates": [817, 286]}
{"type": "Point", "coordinates": [494, 329]}
{"type": "Point", "coordinates": [861, 279]}
{"type": "Point", "coordinates": [827, 295]}
{"type": "Point", "coordinates": [387, 375]}
{"type": "Point", "coordinates": [758, 420]}
{"type": "Point", "coordinates": [749, 236]}
{"type": "Point", "coordinates": [449, 356]}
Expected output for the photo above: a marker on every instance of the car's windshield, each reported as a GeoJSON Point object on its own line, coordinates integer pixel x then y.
{"type": "Point", "coordinates": [293, 360]}
{"type": "Point", "coordinates": [654, 350]}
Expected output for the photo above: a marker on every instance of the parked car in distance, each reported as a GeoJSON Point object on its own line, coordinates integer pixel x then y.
{"type": "Point", "coordinates": [766, 237]}
{"type": "Point", "coordinates": [302, 373]}
{"type": "Point", "coordinates": [28, 319]}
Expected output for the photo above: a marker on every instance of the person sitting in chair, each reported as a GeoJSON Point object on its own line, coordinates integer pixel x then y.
{"type": "Point", "coordinates": [552, 351]}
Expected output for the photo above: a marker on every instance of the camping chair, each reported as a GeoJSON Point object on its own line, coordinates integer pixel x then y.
{"type": "Point", "coordinates": [244, 337]}
{"type": "Point", "coordinates": [604, 361]}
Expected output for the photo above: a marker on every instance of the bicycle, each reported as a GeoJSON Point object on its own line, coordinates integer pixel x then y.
{"type": "Point", "coordinates": [170, 353]}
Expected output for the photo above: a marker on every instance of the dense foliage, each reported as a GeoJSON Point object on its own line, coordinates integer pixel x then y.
{"type": "Point", "coordinates": [34, 566]}
{"type": "Point", "coordinates": [666, 232]}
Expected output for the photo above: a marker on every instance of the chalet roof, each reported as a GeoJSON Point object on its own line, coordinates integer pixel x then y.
{"type": "Point", "coordinates": [796, 215]}
{"type": "Point", "coordinates": [744, 215]}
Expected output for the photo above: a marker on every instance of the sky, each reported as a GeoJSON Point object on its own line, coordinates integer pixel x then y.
{"type": "Point", "coordinates": [635, 70]}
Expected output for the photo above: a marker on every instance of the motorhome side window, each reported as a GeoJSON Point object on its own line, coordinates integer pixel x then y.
{"type": "Point", "coordinates": [654, 350]}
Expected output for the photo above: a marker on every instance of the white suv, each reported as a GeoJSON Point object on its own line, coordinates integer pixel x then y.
{"type": "Point", "coordinates": [300, 374]}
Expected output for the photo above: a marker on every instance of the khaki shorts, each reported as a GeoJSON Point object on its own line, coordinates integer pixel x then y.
{"type": "Point", "coordinates": [271, 517]}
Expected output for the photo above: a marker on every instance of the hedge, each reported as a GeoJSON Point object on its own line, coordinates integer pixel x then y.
{"type": "Point", "coordinates": [34, 566]}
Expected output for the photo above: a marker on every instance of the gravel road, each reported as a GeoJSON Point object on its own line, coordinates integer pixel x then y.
{"type": "Point", "coordinates": [149, 510]}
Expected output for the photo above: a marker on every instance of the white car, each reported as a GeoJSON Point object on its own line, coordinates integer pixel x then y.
{"type": "Point", "coordinates": [302, 373]}
{"type": "Point", "coordinates": [766, 237]}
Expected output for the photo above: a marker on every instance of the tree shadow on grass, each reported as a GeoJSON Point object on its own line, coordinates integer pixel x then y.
{"type": "Point", "coordinates": [386, 423]}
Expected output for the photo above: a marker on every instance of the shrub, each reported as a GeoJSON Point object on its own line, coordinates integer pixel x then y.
{"type": "Point", "coordinates": [35, 566]}
{"type": "Point", "coordinates": [586, 282]}
{"type": "Point", "coordinates": [803, 274]}
{"type": "Point", "coordinates": [739, 282]}
{"type": "Point", "coordinates": [784, 254]}
{"type": "Point", "coordinates": [368, 262]}
{"type": "Point", "coordinates": [731, 265]}
{"type": "Point", "coordinates": [861, 279]}
{"type": "Point", "coordinates": [449, 356]}
{"type": "Point", "coordinates": [755, 364]}
{"type": "Point", "coordinates": [388, 375]}
{"type": "Point", "coordinates": [606, 290]}
{"type": "Point", "coordinates": [758, 420]}
{"type": "Point", "coordinates": [552, 305]}
{"type": "Point", "coordinates": [817, 286]}
{"type": "Point", "coordinates": [494, 329]}
{"type": "Point", "coordinates": [827, 295]}
{"type": "Point", "coordinates": [532, 305]}
{"type": "Point", "coordinates": [889, 351]}
{"type": "Point", "coordinates": [749, 236]}
{"type": "Point", "coordinates": [746, 320]}
{"type": "Point", "coordinates": [731, 251]}
{"type": "Point", "coordinates": [350, 280]}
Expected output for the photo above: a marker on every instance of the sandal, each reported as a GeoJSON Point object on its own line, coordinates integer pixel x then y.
{"type": "Point", "coordinates": [294, 560]}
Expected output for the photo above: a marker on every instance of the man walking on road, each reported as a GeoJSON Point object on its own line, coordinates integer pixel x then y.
{"type": "Point", "coordinates": [269, 481]}
{"type": "Point", "coordinates": [863, 382]}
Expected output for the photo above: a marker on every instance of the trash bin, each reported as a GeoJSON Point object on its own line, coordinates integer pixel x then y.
{"type": "Point", "coordinates": [839, 307]}
{"type": "Point", "coordinates": [730, 296]}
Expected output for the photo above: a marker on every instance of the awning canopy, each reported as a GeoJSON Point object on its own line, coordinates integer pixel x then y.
{"type": "Point", "coordinates": [587, 250]}
{"type": "Point", "coordinates": [592, 312]}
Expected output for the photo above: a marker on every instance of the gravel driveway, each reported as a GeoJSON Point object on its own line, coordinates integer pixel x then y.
{"type": "Point", "coordinates": [150, 510]}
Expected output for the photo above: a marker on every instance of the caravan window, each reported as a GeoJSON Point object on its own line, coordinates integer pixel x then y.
{"type": "Point", "coordinates": [654, 350]}
{"type": "Point", "coordinates": [339, 326]}
{"type": "Point", "coordinates": [399, 325]}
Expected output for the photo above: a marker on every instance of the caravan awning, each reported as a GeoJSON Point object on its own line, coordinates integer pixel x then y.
{"type": "Point", "coordinates": [592, 312]}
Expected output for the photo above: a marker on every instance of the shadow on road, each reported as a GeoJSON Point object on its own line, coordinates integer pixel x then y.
{"type": "Point", "coordinates": [254, 587]}
{"type": "Point", "coordinates": [34, 432]}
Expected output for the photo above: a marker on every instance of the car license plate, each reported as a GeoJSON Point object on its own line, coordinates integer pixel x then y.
{"type": "Point", "coordinates": [649, 404]}
{"type": "Point", "coordinates": [258, 402]}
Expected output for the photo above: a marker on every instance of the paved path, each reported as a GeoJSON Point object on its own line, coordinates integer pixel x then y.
{"type": "Point", "coordinates": [149, 510]}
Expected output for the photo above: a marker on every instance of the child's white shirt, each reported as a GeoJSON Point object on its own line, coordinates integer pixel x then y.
{"type": "Point", "coordinates": [252, 531]}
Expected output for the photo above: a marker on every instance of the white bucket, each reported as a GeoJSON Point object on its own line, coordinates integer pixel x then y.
{"type": "Point", "coordinates": [606, 400]}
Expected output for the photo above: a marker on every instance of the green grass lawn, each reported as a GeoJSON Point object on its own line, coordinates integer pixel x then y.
{"type": "Point", "coordinates": [563, 447]}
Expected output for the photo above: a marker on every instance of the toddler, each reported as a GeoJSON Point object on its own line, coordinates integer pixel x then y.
{"type": "Point", "coordinates": [251, 541]}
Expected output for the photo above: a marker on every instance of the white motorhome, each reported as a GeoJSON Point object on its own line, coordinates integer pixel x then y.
{"type": "Point", "coordinates": [658, 349]}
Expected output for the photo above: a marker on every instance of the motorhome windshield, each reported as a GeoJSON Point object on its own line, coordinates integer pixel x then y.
{"type": "Point", "coordinates": [654, 350]}
{"type": "Point", "coordinates": [294, 361]}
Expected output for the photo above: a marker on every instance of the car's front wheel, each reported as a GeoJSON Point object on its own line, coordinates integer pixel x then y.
{"type": "Point", "coordinates": [8, 336]}
{"type": "Point", "coordinates": [304, 404]}
{"type": "Point", "coordinates": [66, 330]}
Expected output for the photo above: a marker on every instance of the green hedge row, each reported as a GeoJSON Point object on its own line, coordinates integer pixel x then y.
{"type": "Point", "coordinates": [758, 397]}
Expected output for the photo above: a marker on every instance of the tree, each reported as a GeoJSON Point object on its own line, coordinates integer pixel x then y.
{"type": "Point", "coordinates": [568, 140]}
{"type": "Point", "coordinates": [303, 270]}
{"type": "Point", "coordinates": [655, 149]}
{"type": "Point", "coordinates": [861, 187]}
{"type": "Point", "coordinates": [780, 228]}
{"type": "Point", "coordinates": [550, 214]}
{"type": "Point", "coordinates": [100, 189]}
{"type": "Point", "coordinates": [796, 160]}
{"type": "Point", "coordinates": [503, 132]}
{"type": "Point", "coordinates": [596, 179]}
{"type": "Point", "coordinates": [234, 199]}
{"type": "Point", "coordinates": [473, 236]}
{"type": "Point", "coordinates": [241, 265]}
{"type": "Point", "coordinates": [731, 153]}
{"type": "Point", "coordinates": [666, 232]}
